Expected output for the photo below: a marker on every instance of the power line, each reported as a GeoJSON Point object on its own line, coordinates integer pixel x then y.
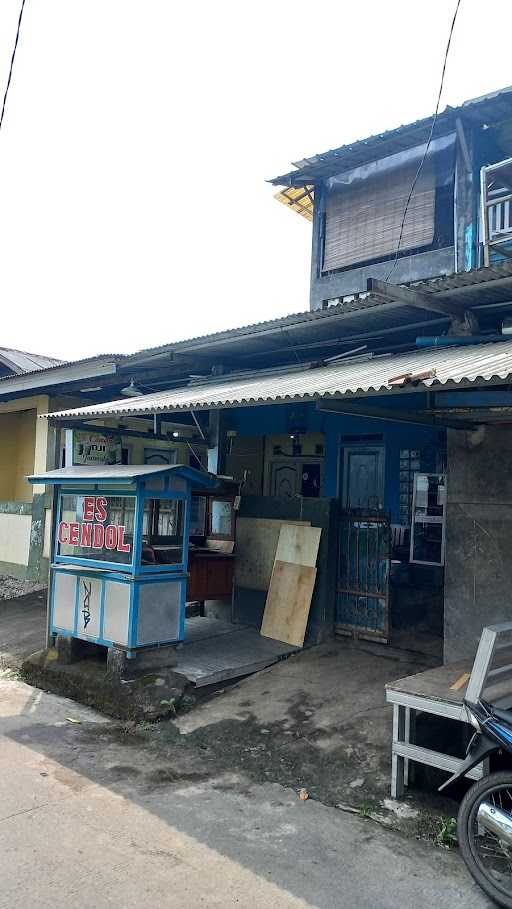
{"type": "Point", "coordinates": [12, 63]}
{"type": "Point", "coordinates": [429, 140]}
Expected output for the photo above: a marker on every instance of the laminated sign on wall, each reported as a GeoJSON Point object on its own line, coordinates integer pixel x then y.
{"type": "Point", "coordinates": [96, 448]}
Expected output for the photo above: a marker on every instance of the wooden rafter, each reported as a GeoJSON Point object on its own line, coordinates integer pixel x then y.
{"type": "Point", "coordinates": [410, 297]}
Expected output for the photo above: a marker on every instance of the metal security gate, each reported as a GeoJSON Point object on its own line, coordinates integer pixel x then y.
{"type": "Point", "coordinates": [362, 596]}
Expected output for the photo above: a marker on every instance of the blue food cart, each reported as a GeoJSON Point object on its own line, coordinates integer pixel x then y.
{"type": "Point", "coordinates": [118, 574]}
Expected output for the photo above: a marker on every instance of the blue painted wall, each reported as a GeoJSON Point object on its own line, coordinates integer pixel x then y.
{"type": "Point", "coordinates": [282, 418]}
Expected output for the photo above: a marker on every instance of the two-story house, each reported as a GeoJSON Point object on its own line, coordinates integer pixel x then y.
{"type": "Point", "coordinates": [383, 413]}
{"type": "Point", "coordinates": [458, 215]}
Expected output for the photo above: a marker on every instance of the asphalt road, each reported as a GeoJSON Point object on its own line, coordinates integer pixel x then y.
{"type": "Point", "coordinates": [90, 816]}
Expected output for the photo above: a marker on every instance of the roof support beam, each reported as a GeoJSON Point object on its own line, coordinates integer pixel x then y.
{"type": "Point", "coordinates": [396, 416]}
{"type": "Point", "coordinates": [461, 136]}
{"type": "Point", "coordinates": [115, 430]}
{"type": "Point", "coordinates": [397, 294]}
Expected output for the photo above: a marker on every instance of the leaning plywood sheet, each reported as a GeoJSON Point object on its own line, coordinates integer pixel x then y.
{"type": "Point", "coordinates": [256, 543]}
{"type": "Point", "coordinates": [298, 545]}
{"type": "Point", "coordinates": [288, 603]}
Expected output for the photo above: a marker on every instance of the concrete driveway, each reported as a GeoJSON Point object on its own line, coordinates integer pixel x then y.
{"type": "Point", "coordinates": [93, 816]}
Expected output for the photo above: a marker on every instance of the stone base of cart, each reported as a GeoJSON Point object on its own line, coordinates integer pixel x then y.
{"type": "Point", "coordinates": [147, 694]}
{"type": "Point", "coordinates": [155, 682]}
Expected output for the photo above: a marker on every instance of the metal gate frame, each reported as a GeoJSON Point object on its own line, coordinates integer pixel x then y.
{"type": "Point", "coordinates": [359, 582]}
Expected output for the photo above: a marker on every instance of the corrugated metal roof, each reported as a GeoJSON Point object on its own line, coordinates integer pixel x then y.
{"type": "Point", "coordinates": [363, 314]}
{"type": "Point", "coordinates": [456, 365]}
{"type": "Point", "coordinates": [487, 109]}
{"type": "Point", "coordinates": [118, 473]}
{"type": "Point", "coordinates": [453, 285]}
{"type": "Point", "coordinates": [20, 361]}
{"type": "Point", "coordinates": [63, 364]}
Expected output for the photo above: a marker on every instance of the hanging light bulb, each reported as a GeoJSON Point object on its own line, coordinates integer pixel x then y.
{"type": "Point", "coordinates": [131, 390]}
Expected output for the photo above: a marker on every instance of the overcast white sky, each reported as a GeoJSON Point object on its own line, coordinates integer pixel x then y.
{"type": "Point", "coordinates": [139, 133]}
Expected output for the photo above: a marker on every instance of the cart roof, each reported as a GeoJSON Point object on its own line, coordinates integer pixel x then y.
{"type": "Point", "coordinates": [121, 474]}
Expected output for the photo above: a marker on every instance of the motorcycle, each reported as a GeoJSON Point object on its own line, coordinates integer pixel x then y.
{"type": "Point", "coordinates": [484, 823]}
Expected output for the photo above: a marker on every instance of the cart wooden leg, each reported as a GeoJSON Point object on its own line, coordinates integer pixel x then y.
{"type": "Point", "coordinates": [397, 761]}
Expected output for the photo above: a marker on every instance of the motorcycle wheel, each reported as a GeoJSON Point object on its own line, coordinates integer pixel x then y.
{"type": "Point", "coordinates": [488, 859]}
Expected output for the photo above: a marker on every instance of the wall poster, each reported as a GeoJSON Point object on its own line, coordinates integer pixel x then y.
{"type": "Point", "coordinates": [96, 448]}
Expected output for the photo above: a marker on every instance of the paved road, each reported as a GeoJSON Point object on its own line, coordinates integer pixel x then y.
{"type": "Point", "coordinates": [91, 817]}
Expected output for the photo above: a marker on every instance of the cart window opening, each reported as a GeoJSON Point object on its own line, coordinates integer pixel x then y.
{"type": "Point", "coordinates": [163, 527]}
{"type": "Point", "coordinates": [221, 517]}
{"type": "Point", "coordinates": [99, 528]}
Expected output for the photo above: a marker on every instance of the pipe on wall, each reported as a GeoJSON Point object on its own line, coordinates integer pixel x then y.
{"type": "Point", "coordinates": [458, 341]}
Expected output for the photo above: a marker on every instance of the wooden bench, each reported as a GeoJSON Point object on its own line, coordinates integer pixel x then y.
{"type": "Point", "coordinates": [441, 692]}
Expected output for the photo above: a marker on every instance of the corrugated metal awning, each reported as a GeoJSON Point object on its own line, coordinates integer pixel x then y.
{"type": "Point", "coordinates": [459, 366]}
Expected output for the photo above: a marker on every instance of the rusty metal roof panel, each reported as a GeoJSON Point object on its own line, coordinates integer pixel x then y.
{"type": "Point", "coordinates": [479, 363]}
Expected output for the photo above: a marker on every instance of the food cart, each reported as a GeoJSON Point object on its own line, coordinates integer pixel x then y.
{"type": "Point", "coordinates": [119, 568]}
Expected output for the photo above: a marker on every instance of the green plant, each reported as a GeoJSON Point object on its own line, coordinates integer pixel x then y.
{"type": "Point", "coordinates": [447, 831]}
{"type": "Point", "coordinates": [365, 809]}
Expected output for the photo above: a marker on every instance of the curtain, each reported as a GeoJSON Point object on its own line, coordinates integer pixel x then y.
{"type": "Point", "coordinates": [363, 219]}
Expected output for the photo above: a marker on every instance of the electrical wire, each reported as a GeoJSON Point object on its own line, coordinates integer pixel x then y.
{"type": "Point", "coordinates": [2, 114]}
{"type": "Point", "coordinates": [197, 457]}
{"type": "Point", "coordinates": [429, 140]}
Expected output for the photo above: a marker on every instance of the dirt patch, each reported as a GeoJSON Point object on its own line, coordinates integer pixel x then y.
{"type": "Point", "coordinates": [317, 722]}
{"type": "Point", "coordinates": [10, 587]}
{"type": "Point", "coordinates": [294, 754]}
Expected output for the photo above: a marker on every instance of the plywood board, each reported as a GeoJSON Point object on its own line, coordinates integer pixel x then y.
{"type": "Point", "coordinates": [288, 603]}
{"type": "Point", "coordinates": [298, 545]}
{"type": "Point", "coordinates": [255, 550]}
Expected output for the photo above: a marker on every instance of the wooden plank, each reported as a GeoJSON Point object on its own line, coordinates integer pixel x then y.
{"type": "Point", "coordinates": [435, 684]}
{"type": "Point", "coordinates": [288, 603]}
{"type": "Point", "coordinates": [256, 544]}
{"type": "Point", "coordinates": [461, 681]}
{"type": "Point", "coordinates": [410, 297]}
{"type": "Point", "coordinates": [298, 545]}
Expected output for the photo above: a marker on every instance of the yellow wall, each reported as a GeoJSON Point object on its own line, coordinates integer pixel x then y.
{"type": "Point", "coordinates": [17, 445]}
{"type": "Point", "coordinates": [26, 441]}
{"type": "Point", "coordinates": [8, 439]}
{"type": "Point", "coordinates": [23, 446]}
